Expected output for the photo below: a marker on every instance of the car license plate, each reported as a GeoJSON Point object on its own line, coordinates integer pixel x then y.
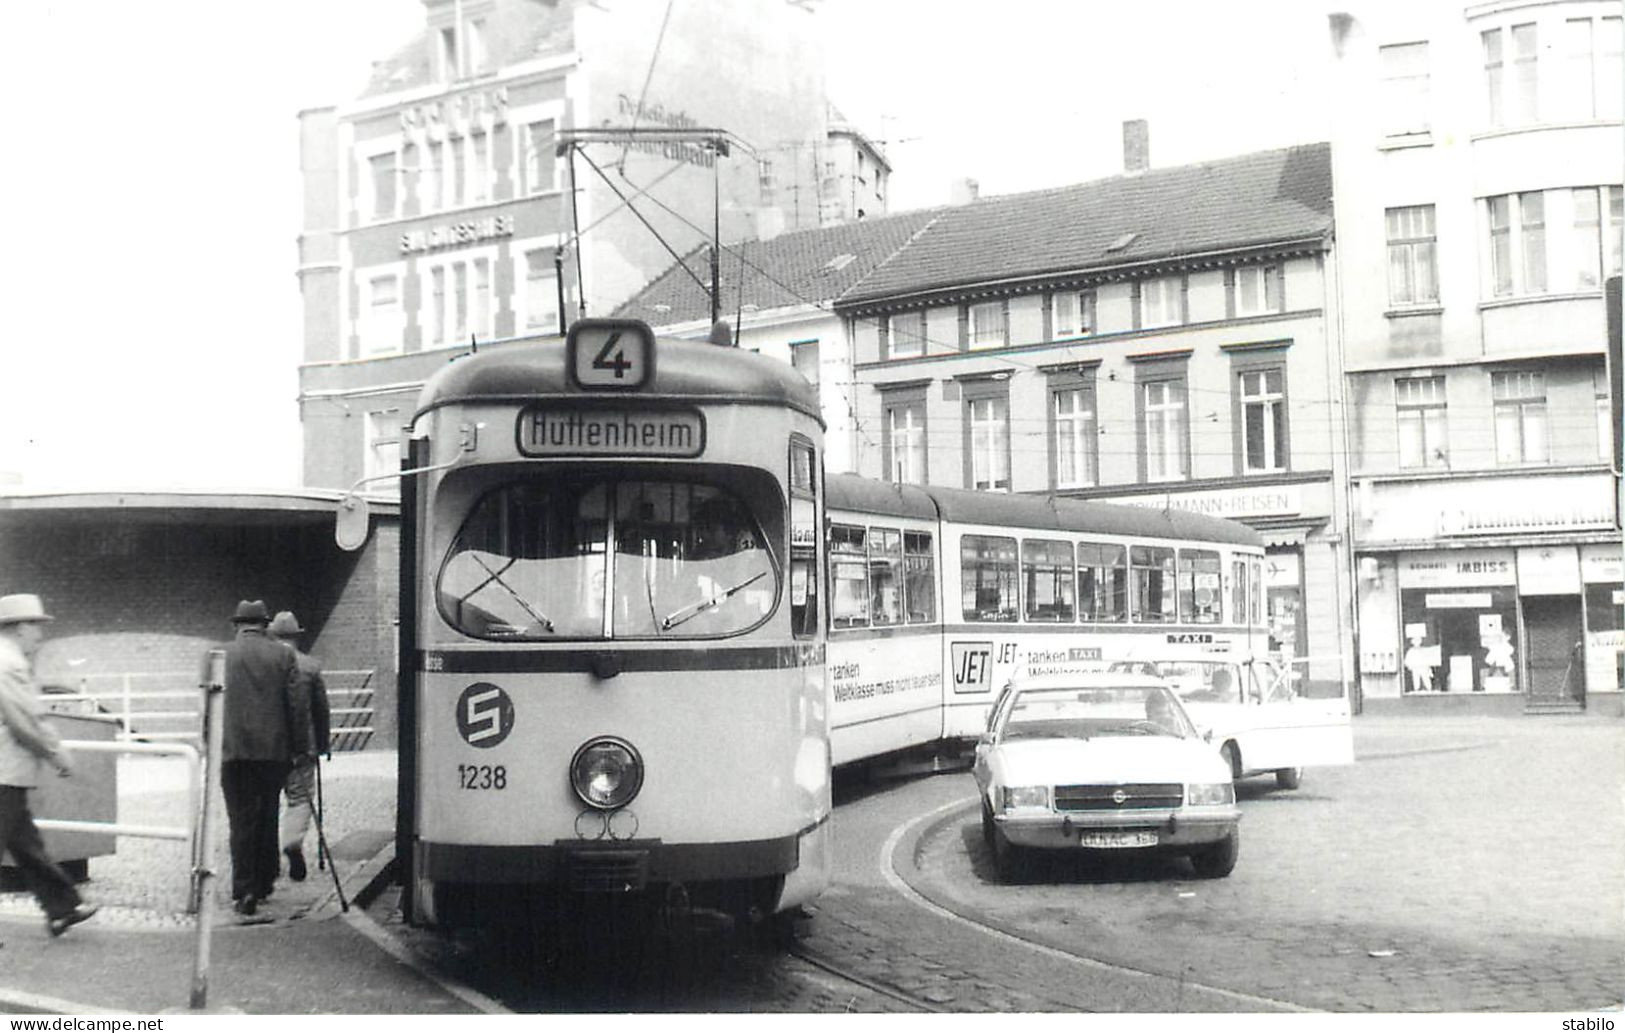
{"type": "Point", "coordinates": [1117, 840]}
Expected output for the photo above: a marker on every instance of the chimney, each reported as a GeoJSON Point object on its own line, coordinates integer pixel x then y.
{"type": "Point", "coordinates": [963, 191]}
{"type": "Point", "coordinates": [1136, 146]}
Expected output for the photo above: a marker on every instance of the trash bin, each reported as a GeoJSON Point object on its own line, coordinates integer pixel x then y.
{"type": "Point", "coordinates": [90, 795]}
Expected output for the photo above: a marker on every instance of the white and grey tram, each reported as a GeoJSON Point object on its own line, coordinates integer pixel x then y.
{"type": "Point", "coordinates": [612, 635]}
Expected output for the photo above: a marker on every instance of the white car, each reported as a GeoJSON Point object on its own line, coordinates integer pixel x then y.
{"type": "Point", "coordinates": [1106, 761]}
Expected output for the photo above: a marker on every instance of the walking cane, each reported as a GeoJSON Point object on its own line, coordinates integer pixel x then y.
{"type": "Point", "coordinates": [323, 855]}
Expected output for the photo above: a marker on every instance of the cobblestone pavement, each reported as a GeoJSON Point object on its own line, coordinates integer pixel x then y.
{"type": "Point", "coordinates": [1460, 865]}
{"type": "Point", "coordinates": [145, 882]}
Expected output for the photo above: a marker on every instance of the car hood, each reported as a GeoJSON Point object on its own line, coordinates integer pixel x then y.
{"type": "Point", "coordinates": [1108, 760]}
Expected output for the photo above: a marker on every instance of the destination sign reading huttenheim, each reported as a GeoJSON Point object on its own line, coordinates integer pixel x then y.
{"type": "Point", "coordinates": [611, 432]}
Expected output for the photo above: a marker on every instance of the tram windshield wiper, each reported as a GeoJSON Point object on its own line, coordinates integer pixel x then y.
{"type": "Point", "coordinates": [678, 616]}
{"type": "Point", "coordinates": [536, 615]}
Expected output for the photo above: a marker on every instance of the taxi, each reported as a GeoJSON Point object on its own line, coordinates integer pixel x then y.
{"type": "Point", "coordinates": [1102, 762]}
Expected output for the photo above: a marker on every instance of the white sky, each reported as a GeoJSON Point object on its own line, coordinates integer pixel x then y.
{"type": "Point", "coordinates": [154, 325]}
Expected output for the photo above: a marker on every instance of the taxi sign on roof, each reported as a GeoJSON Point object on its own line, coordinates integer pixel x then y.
{"type": "Point", "coordinates": [611, 354]}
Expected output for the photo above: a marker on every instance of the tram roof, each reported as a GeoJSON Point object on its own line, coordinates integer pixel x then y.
{"type": "Point", "coordinates": [694, 371]}
{"type": "Point", "coordinates": [1040, 512]}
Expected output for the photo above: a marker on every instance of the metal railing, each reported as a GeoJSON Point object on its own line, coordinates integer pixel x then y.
{"type": "Point", "coordinates": [160, 706]}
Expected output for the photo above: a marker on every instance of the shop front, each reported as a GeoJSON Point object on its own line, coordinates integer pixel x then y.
{"type": "Point", "coordinates": [1459, 622]}
{"type": "Point", "coordinates": [1600, 575]}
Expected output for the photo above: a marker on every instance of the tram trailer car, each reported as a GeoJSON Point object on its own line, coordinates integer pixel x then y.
{"type": "Point", "coordinates": [612, 636]}
{"type": "Point", "coordinates": [939, 596]}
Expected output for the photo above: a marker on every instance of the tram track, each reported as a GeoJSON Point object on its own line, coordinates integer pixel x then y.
{"type": "Point", "coordinates": [1184, 990]}
{"type": "Point", "coordinates": [842, 972]}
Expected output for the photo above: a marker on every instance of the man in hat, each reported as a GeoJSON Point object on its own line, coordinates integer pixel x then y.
{"type": "Point", "coordinates": [25, 743]}
{"type": "Point", "coordinates": [301, 784]}
{"type": "Point", "coordinates": [264, 729]}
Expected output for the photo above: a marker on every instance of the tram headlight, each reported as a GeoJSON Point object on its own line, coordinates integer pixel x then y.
{"type": "Point", "coordinates": [606, 773]}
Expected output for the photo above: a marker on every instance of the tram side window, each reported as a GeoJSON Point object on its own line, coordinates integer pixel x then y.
{"type": "Point", "coordinates": [919, 578]}
{"type": "Point", "coordinates": [988, 575]}
{"type": "Point", "coordinates": [803, 541]}
{"type": "Point", "coordinates": [1046, 567]}
{"type": "Point", "coordinates": [1199, 597]}
{"type": "Point", "coordinates": [1152, 578]}
{"type": "Point", "coordinates": [1102, 582]}
{"type": "Point", "coordinates": [1238, 591]}
{"type": "Point", "coordinates": [885, 581]}
{"type": "Point", "coordinates": [849, 577]}
{"type": "Point", "coordinates": [1255, 593]}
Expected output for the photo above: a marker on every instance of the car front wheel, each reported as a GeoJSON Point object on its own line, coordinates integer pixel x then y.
{"type": "Point", "coordinates": [1289, 778]}
{"type": "Point", "coordinates": [1218, 860]}
{"type": "Point", "coordinates": [1006, 858]}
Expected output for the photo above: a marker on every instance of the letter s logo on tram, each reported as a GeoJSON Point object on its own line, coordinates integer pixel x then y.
{"type": "Point", "coordinates": [484, 715]}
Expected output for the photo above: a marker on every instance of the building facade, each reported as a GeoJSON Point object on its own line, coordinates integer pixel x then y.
{"type": "Point", "coordinates": [1479, 212]}
{"type": "Point", "coordinates": [441, 206]}
{"type": "Point", "coordinates": [1162, 338]}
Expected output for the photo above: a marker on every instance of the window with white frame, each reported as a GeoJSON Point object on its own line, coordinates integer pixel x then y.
{"type": "Point", "coordinates": [480, 163]}
{"type": "Point", "coordinates": [1596, 235]}
{"type": "Point", "coordinates": [457, 148]}
{"type": "Point", "coordinates": [540, 169]}
{"type": "Point", "coordinates": [905, 439]}
{"type": "Point", "coordinates": [382, 325]}
{"type": "Point", "coordinates": [1517, 244]}
{"type": "Point", "coordinates": [1164, 438]}
{"type": "Point", "coordinates": [478, 56]}
{"type": "Point", "coordinates": [1076, 434]}
{"type": "Point", "coordinates": [434, 179]}
{"type": "Point", "coordinates": [541, 297]}
{"type": "Point", "coordinates": [766, 185]}
{"type": "Point", "coordinates": [1262, 396]}
{"type": "Point", "coordinates": [381, 451]}
{"type": "Point", "coordinates": [804, 359]}
{"type": "Point", "coordinates": [1520, 416]}
{"type": "Point", "coordinates": [905, 335]}
{"type": "Point", "coordinates": [986, 325]}
{"type": "Point", "coordinates": [1406, 93]}
{"type": "Point", "coordinates": [1258, 290]}
{"type": "Point", "coordinates": [1162, 301]}
{"type": "Point", "coordinates": [1073, 313]}
{"type": "Point", "coordinates": [989, 424]}
{"type": "Point", "coordinates": [461, 300]}
{"type": "Point", "coordinates": [1419, 408]}
{"type": "Point", "coordinates": [1594, 82]}
{"type": "Point", "coordinates": [446, 63]}
{"type": "Point", "coordinates": [1511, 78]}
{"type": "Point", "coordinates": [1413, 272]}
{"type": "Point", "coordinates": [382, 175]}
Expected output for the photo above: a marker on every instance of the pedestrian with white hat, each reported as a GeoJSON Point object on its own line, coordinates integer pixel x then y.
{"type": "Point", "coordinates": [26, 743]}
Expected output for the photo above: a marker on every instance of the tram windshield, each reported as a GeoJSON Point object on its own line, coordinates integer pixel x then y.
{"type": "Point", "coordinates": [530, 563]}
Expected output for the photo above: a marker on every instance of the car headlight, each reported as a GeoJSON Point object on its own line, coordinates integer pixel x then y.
{"type": "Point", "coordinates": [1025, 796]}
{"type": "Point", "coordinates": [1210, 794]}
{"type": "Point", "coordinates": [606, 773]}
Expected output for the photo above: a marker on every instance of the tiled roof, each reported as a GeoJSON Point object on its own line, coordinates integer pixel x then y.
{"type": "Point", "coordinates": [545, 28]}
{"type": "Point", "coordinates": [816, 266]}
{"type": "Point", "coordinates": [1270, 197]}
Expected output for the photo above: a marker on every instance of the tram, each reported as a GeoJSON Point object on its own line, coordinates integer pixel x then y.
{"type": "Point", "coordinates": [612, 636]}
{"type": "Point", "coordinates": [938, 596]}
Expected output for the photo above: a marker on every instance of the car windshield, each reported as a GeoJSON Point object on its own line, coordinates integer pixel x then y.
{"type": "Point", "coordinates": [531, 561]}
{"type": "Point", "coordinates": [1088, 713]}
{"type": "Point", "coordinates": [1215, 681]}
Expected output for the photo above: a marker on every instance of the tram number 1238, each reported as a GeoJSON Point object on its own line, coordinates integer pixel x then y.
{"type": "Point", "coordinates": [482, 776]}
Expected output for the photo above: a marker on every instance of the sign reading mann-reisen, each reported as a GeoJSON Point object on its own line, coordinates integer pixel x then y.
{"type": "Point", "coordinates": [660, 433]}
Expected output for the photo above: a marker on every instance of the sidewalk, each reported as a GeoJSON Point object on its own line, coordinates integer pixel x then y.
{"type": "Point", "coordinates": [300, 953]}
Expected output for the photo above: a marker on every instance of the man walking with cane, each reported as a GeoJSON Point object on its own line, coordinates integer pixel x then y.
{"type": "Point", "coordinates": [311, 693]}
{"type": "Point", "coordinates": [26, 742]}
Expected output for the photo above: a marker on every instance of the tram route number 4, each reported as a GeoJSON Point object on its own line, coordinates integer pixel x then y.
{"type": "Point", "coordinates": [611, 354]}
